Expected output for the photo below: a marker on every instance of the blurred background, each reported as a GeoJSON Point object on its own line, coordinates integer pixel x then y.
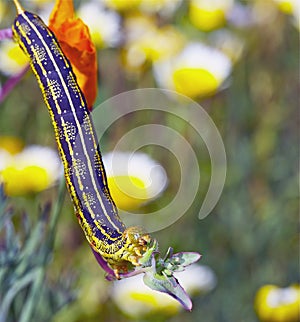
{"type": "Point", "coordinates": [240, 61]}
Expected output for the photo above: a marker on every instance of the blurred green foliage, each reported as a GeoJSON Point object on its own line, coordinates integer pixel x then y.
{"type": "Point", "coordinates": [26, 292]}
{"type": "Point", "coordinates": [251, 237]}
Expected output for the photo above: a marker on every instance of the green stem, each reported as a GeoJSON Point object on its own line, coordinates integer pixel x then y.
{"type": "Point", "coordinates": [33, 296]}
{"type": "Point", "coordinates": [56, 212]}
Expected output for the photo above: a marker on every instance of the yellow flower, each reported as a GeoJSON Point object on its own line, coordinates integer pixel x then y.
{"type": "Point", "coordinates": [197, 71]}
{"type": "Point", "coordinates": [208, 15]}
{"type": "Point", "coordinates": [11, 144]}
{"type": "Point", "coordinates": [291, 7]}
{"type": "Point", "coordinates": [145, 43]}
{"type": "Point", "coordinates": [104, 25]}
{"type": "Point", "coordinates": [135, 299]}
{"type": "Point", "coordinates": [133, 178]}
{"type": "Point", "coordinates": [122, 5]}
{"type": "Point", "coordinates": [274, 304]}
{"type": "Point", "coordinates": [12, 58]}
{"type": "Point", "coordinates": [32, 170]}
{"type": "Point", "coordinates": [287, 6]}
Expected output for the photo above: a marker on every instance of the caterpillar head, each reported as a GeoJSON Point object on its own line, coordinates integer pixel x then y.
{"type": "Point", "coordinates": [137, 251]}
{"type": "Point", "coordinates": [138, 246]}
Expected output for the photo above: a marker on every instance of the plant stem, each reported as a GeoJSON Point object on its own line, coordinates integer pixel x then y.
{"type": "Point", "coordinates": [56, 211]}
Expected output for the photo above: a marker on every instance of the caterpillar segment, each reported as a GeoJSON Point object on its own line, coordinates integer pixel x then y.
{"type": "Point", "coordinates": [78, 147]}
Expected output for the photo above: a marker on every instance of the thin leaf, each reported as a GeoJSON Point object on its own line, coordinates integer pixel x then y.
{"type": "Point", "coordinates": [178, 262]}
{"type": "Point", "coordinates": [169, 285]}
{"type": "Point", "coordinates": [13, 291]}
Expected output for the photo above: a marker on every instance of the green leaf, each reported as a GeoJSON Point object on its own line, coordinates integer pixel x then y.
{"type": "Point", "coordinates": [178, 262]}
{"type": "Point", "coordinates": [169, 285]}
{"type": "Point", "coordinates": [146, 259]}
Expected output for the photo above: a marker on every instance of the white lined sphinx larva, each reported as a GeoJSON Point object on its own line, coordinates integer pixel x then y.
{"type": "Point", "coordinates": [77, 144]}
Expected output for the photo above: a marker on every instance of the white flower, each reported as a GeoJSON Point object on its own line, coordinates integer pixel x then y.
{"type": "Point", "coordinates": [43, 157]}
{"type": "Point", "coordinates": [198, 70]}
{"type": "Point", "coordinates": [228, 43]}
{"type": "Point", "coordinates": [133, 178]}
{"type": "Point", "coordinates": [104, 25]}
{"type": "Point", "coordinates": [213, 4]}
{"type": "Point", "coordinates": [275, 304]}
{"type": "Point", "coordinates": [163, 7]}
{"type": "Point", "coordinates": [134, 298]}
{"type": "Point", "coordinates": [145, 42]}
{"type": "Point", "coordinates": [197, 279]}
{"type": "Point", "coordinates": [122, 5]}
{"type": "Point", "coordinates": [12, 58]}
{"type": "Point", "coordinates": [5, 159]}
{"type": "Point", "coordinates": [32, 170]}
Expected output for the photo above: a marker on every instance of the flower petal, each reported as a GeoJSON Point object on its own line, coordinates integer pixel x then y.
{"type": "Point", "coordinates": [5, 33]}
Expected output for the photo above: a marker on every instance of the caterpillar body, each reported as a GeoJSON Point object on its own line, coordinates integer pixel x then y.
{"type": "Point", "coordinates": [77, 144]}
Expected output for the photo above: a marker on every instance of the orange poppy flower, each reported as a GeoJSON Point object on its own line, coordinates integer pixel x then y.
{"type": "Point", "coordinates": [74, 38]}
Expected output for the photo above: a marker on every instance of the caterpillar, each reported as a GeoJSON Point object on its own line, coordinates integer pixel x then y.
{"type": "Point", "coordinates": [77, 143]}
